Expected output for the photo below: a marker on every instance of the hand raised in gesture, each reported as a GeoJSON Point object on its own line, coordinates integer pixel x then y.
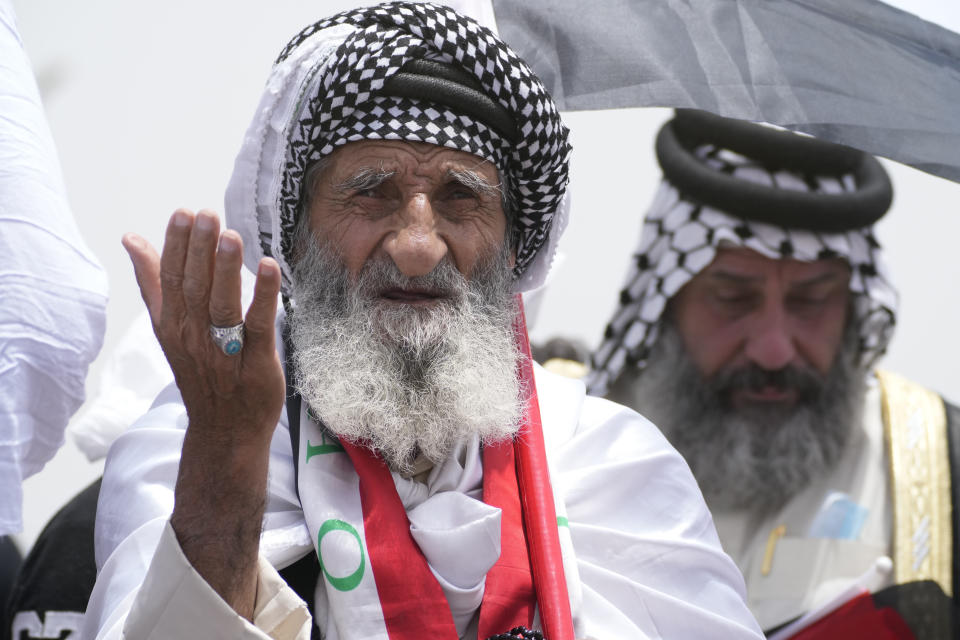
{"type": "Point", "coordinates": [233, 395]}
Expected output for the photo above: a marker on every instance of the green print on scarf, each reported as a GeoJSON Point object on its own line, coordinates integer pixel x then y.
{"type": "Point", "coordinates": [350, 582]}
{"type": "Point", "coordinates": [326, 446]}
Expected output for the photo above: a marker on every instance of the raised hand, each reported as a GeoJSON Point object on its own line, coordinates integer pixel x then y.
{"type": "Point", "coordinates": [233, 401]}
{"type": "Point", "coordinates": [194, 285]}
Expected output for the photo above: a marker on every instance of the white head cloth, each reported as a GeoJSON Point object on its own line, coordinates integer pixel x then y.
{"type": "Point", "coordinates": [680, 238]}
{"type": "Point", "coordinates": [322, 93]}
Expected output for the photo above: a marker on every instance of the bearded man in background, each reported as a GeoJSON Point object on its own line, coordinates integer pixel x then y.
{"type": "Point", "coordinates": [748, 330]}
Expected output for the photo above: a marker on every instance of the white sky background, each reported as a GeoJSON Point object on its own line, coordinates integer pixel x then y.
{"type": "Point", "coordinates": [148, 103]}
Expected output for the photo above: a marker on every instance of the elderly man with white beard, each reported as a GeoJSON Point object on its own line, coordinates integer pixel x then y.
{"type": "Point", "coordinates": [404, 177]}
{"type": "Point", "coordinates": [748, 329]}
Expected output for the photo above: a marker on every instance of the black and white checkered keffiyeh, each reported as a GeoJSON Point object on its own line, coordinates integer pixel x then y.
{"type": "Point", "coordinates": [323, 93]}
{"type": "Point", "coordinates": [679, 238]}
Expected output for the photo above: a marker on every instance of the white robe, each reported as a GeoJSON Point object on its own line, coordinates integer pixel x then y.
{"type": "Point", "coordinates": [647, 554]}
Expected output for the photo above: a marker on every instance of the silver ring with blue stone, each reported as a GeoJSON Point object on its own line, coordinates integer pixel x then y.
{"type": "Point", "coordinates": [229, 339]}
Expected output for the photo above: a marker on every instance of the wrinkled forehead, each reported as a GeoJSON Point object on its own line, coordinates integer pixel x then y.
{"type": "Point", "coordinates": [408, 159]}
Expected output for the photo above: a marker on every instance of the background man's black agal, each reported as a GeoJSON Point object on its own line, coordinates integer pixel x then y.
{"type": "Point", "coordinates": [832, 213]}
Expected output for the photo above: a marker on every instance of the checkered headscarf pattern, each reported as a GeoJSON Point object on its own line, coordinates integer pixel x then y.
{"type": "Point", "coordinates": [680, 238]}
{"type": "Point", "coordinates": [338, 103]}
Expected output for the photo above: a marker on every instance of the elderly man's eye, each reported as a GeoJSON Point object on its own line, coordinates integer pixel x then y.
{"type": "Point", "coordinates": [460, 192]}
{"type": "Point", "coordinates": [372, 192]}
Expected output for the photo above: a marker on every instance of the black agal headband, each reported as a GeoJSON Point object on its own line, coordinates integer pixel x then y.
{"type": "Point", "coordinates": [777, 151]}
{"type": "Point", "coordinates": [450, 86]}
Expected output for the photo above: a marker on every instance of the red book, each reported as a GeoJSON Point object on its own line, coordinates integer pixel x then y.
{"type": "Point", "coordinates": [858, 619]}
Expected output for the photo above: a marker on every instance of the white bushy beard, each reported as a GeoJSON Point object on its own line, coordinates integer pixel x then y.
{"type": "Point", "coordinates": [753, 458]}
{"type": "Point", "coordinates": [400, 379]}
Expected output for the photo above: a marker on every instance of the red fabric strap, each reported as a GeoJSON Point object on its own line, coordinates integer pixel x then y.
{"type": "Point", "coordinates": [508, 598]}
{"type": "Point", "coordinates": [539, 512]}
{"type": "Point", "coordinates": [412, 601]}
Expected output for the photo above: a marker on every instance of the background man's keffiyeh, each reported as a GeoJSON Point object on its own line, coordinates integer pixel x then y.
{"type": "Point", "coordinates": [680, 238]}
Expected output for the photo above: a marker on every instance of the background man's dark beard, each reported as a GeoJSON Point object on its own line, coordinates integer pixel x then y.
{"type": "Point", "coordinates": [753, 458]}
{"type": "Point", "coordinates": [401, 378]}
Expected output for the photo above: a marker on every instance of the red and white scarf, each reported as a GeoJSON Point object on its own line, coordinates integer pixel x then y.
{"type": "Point", "coordinates": [378, 583]}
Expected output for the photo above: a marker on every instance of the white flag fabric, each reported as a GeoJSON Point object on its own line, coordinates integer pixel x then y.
{"type": "Point", "coordinates": [857, 72]}
{"type": "Point", "coordinates": [53, 292]}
